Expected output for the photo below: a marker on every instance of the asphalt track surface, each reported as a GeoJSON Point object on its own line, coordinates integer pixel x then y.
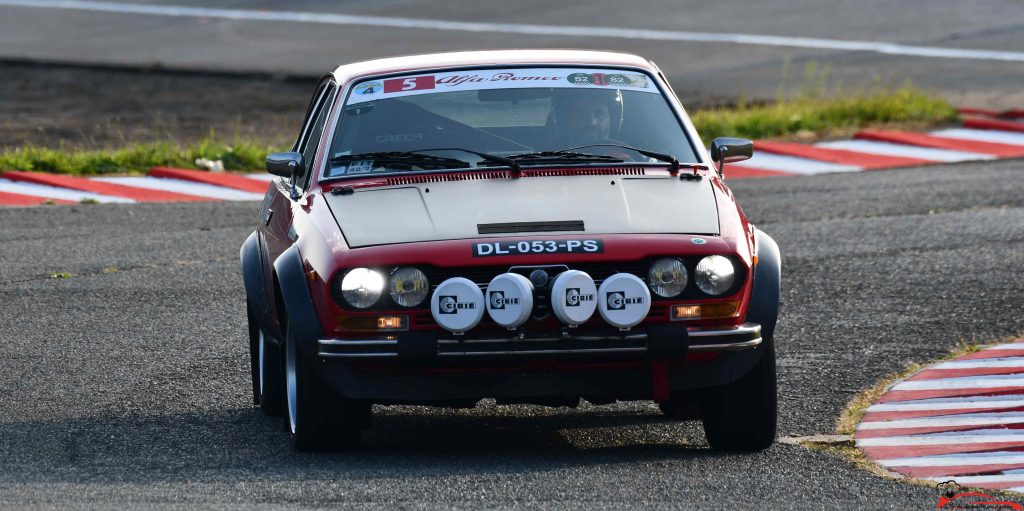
{"type": "Point", "coordinates": [129, 388]}
{"type": "Point", "coordinates": [700, 71]}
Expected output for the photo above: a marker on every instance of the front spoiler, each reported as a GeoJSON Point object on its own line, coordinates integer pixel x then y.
{"type": "Point", "coordinates": [738, 338]}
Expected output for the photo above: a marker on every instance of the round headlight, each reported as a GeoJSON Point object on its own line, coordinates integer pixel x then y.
{"type": "Point", "coordinates": [714, 275]}
{"type": "Point", "coordinates": [362, 287]}
{"type": "Point", "coordinates": [408, 286]}
{"type": "Point", "coordinates": [667, 277]}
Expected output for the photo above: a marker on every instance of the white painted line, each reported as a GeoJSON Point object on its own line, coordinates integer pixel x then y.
{"type": "Point", "coordinates": [1007, 346]}
{"type": "Point", "coordinates": [523, 29]}
{"type": "Point", "coordinates": [957, 460]}
{"type": "Point", "coordinates": [979, 419]}
{"type": "Point", "coordinates": [262, 176]}
{"type": "Point", "coordinates": [981, 363]}
{"type": "Point", "coordinates": [52, 192]}
{"type": "Point", "coordinates": [769, 161]}
{"type": "Point", "coordinates": [958, 399]}
{"type": "Point", "coordinates": [975, 432]}
{"type": "Point", "coordinates": [894, 441]}
{"type": "Point", "coordinates": [907, 151]}
{"type": "Point", "coordinates": [1011, 376]}
{"type": "Point", "coordinates": [980, 382]}
{"type": "Point", "coordinates": [975, 480]}
{"type": "Point", "coordinates": [965, 404]}
{"type": "Point", "coordinates": [997, 136]}
{"type": "Point", "coordinates": [182, 186]}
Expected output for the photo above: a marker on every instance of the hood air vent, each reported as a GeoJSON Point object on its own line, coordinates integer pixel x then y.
{"type": "Point", "coordinates": [504, 174]}
{"type": "Point", "coordinates": [521, 227]}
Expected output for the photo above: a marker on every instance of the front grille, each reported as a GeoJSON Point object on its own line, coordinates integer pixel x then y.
{"type": "Point", "coordinates": [599, 271]}
{"type": "Point", "coordinates": [437, 177]}
{"type": "Point", "coordinates": [482, 275]}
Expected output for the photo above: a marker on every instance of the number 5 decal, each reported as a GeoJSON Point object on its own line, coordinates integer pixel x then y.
{"type": "Point", "coordinates": [409, 84]}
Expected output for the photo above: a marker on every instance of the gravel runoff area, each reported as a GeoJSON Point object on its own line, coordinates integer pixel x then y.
{"type": "Point", "coordinates": [101, 107]}
{"type": "Point", "coordinates": [126, 385]}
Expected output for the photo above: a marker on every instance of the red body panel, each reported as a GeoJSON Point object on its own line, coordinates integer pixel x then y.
{"type": "Point", "coordinates": [324, 251]}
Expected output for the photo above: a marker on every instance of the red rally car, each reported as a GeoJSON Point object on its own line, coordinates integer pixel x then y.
{"type": "Point", "coordinates": [529, 226]}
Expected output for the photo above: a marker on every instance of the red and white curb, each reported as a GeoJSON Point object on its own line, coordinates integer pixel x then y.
{"type": "Point", "coordinates": [985, 135]}
{"type": "Point", "coordinates": [19, 188]}
{"type": "Point", "coordinates": [961, 420]}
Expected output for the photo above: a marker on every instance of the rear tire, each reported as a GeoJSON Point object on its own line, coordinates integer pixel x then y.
{"type": "Point", "coordinates": [318, 419]}
{"type": "Point", "coordinates": [267, 368]}
{"type": "Point", "coordinates": [741, 416]}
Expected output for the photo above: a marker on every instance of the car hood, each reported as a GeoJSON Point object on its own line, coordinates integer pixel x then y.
{"type": "Point", "coordinates": [483, 208]}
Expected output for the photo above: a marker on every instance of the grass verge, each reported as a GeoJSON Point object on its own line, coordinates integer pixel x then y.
{"type": "Point", "coordinates": [808, 115]}
{"type": "Point", "coordinates": [812, 117]}
{"type": "Point", "coordinates": [137, 158]}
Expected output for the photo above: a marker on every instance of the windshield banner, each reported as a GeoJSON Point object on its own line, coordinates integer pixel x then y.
{"type": "Point", "coordinates": [500, 79]}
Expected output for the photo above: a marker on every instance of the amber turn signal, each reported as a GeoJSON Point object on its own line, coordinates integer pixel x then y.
{"type": "Point", "coordinates": [392, 322]}
{"type": "Point", "coordinates": [374, 323]}
{"type": "Point", "coordinates": [705, 311]}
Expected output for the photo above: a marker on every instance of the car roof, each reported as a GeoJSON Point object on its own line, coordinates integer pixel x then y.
{"type": "Point", "coordinates": [433, 61]}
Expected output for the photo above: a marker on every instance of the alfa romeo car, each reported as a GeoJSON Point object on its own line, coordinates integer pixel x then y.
{"type": "Point", "coordinates": [536, 227]}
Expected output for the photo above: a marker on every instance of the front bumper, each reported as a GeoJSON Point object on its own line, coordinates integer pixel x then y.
{"type": "Point", "coordinates": [646, 363]}
{"type": "Point", "coordinates": [640, 343]}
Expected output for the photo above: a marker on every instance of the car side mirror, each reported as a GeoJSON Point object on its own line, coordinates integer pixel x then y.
{"type": "Point", "coordinates": [285, 164]}
{"type": "Point", "coordinates": [728, 149]}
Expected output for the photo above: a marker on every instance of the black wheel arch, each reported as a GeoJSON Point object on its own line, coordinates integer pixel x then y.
{"type": "Point", "coordinates": [303, 322]}
{"type": "Point", "coordinates": [262, 305]}
{"type": "Point", "coordinates": [764, 298]}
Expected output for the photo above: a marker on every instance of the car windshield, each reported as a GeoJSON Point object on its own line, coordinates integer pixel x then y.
{"type": "Point", "coordinates": [503, 112]}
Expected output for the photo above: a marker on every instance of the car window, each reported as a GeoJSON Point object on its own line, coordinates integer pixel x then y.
{"type": "Point", "coordinates": [300, 141]}
{"type": "Point", "coordinates": [314, 131]}
{"type": "Point", "coordinates": [468, 107]}
{"type": "Point", "coordinates": [505, 112]}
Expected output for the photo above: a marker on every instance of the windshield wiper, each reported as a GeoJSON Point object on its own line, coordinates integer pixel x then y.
{"type": "Point", "coordinates": [570, 155]}
{"type": "Point", "coordinates": [409, 158]}
{"type": "Point", "coordinates": [500, 160]}
{"type": "Point", "coordinates": [542, 157]}
{"type": "Point", "coordinates": [667, 158]}
{"type": "Point", "coordinates": [416, 157]}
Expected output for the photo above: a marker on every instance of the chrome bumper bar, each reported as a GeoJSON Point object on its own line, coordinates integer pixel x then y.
{"type": "Point", "coordinates": [743, 337]}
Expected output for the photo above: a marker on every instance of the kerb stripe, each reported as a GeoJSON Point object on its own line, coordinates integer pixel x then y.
{"type": "Point", "coordinates": [841, 156]}
{"type": "Point", "coordinates": [992, 124]}
{"type": "Point", "coordinates": [212, 178]}
{"type": "Point", "coordinates": [17, 199]}
{"type": "Point", "coordinates": [100, 187]}
{"type": "Point", "coordinates": [921, 139]}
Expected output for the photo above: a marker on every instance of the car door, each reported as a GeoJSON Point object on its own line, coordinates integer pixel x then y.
{"type": "Point", "coordinates": [275, 228]}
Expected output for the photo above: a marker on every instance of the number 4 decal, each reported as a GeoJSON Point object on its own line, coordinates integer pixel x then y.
{"type": "Point", "coordinates": [408, 84]}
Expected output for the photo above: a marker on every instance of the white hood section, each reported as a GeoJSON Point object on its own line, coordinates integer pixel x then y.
{"type": "Point", "coordinates": [455, 209]}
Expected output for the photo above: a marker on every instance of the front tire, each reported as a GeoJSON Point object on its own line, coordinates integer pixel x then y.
{"type": "Point", "coordinates": [318, 419]}
{"type": "Point", "coordinates": [741, 416]}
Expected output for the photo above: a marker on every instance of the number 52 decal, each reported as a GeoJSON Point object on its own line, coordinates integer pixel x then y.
{"type": "Point", "coordinates": [408, 84]}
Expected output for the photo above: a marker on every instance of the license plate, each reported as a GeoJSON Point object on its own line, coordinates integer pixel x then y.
{"type": "Point", "coordinates": [524, 247]}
